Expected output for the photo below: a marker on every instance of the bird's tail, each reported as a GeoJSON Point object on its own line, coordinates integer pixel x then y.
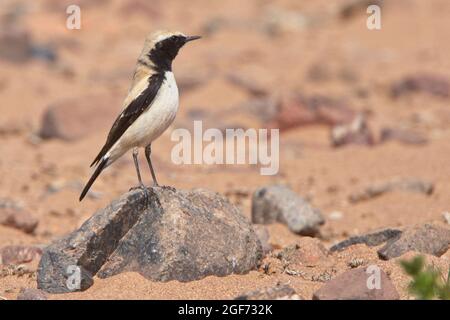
{"type": "Point", "coordinates": [98, 170]}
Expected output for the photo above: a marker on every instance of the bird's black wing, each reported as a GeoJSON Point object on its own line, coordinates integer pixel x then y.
{"type": "Point", "coordinates": [131, 113]}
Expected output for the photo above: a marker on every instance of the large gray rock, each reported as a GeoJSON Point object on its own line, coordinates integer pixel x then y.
{"type": "Point", "coordinates": [279, 203]}
{"type": "Point", "coordinates": [169, 235]}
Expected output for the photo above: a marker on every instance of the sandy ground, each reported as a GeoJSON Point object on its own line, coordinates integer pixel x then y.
{"type": "Point", "coordinates": [99, 59]}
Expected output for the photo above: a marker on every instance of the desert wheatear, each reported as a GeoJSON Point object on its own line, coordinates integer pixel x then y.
{"type": "Point", "coordinates": [150, 106]}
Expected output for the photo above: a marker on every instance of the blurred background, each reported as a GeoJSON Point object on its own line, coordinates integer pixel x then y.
{"type": "Point", "coordinates": [355, 107]}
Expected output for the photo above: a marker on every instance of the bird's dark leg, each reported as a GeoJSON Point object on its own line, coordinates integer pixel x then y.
{"type": "Point", "coordinates": [148, 152]}
{"type": "Point", "coordinates": [141, 184]}
{"type": "Point", "coordinates": [136, 164]}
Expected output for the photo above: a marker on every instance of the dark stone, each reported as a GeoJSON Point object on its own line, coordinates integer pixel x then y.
{"type": "Point", "coordinates": [279, 203]}
{"type": "Point", "coordinates": [352, 8]}
{"type": "Point", "coordinates": [353, 285]}
{"type": "Point", "coordinates": [15, 43]}
{"type": "Point", "coordinates": [432, 84]}
{"type": "Point", "coordinates": [369, 239]}
{"type": "Point", "coordinates": [428, 238]}
{"type": "Point", "coordinates": [169, 235]}
{"type": "Point", "coordinates": [44, 52]}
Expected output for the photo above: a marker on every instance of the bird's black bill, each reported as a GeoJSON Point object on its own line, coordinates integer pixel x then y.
{"type": "Point", "coordinates": [192, 38]}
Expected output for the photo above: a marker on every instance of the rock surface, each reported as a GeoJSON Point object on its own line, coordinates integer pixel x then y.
{"type": "Point", "coordinates": [428, 238]}
{"type": "Point", "coordinates": [279, 203]}
{"type": "Point", "coordinates": [356, 284]}
{"type": "Point", "coordinates": [169, 235]}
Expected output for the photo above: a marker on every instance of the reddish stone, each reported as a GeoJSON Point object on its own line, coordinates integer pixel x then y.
{"type": "Point", "coordinates": [12, 215]}
{"type": "Point", "coordinates": [76, 118]}
{"type": "Point", "coordinates": [298, 110]}
{"type": "Point", "coordinates": [19, 254]}
{"type": "Point", "coordinates": [358, 284]}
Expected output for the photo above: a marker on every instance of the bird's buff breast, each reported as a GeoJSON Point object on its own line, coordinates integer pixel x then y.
{"type": "Point", "coordinates": [157, 118]}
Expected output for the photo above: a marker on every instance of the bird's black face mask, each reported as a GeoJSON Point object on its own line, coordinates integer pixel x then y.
{"type": "Point", "coordinates": [166, 50]}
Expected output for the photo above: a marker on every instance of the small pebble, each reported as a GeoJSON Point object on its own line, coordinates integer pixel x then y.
{"type": "Point", "coordinates": [335, 215]}
{"type": "Point", "coordinates": [355, 263]}
{"type": "Point", "coordinates": [446, 216]}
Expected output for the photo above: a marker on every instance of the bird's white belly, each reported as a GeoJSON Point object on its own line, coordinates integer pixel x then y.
{"type": "Point", "coordinates": [154, 121]}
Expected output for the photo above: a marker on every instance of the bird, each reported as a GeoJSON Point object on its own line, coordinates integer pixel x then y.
{"type": "Point", "coordinates": [149, 108]}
